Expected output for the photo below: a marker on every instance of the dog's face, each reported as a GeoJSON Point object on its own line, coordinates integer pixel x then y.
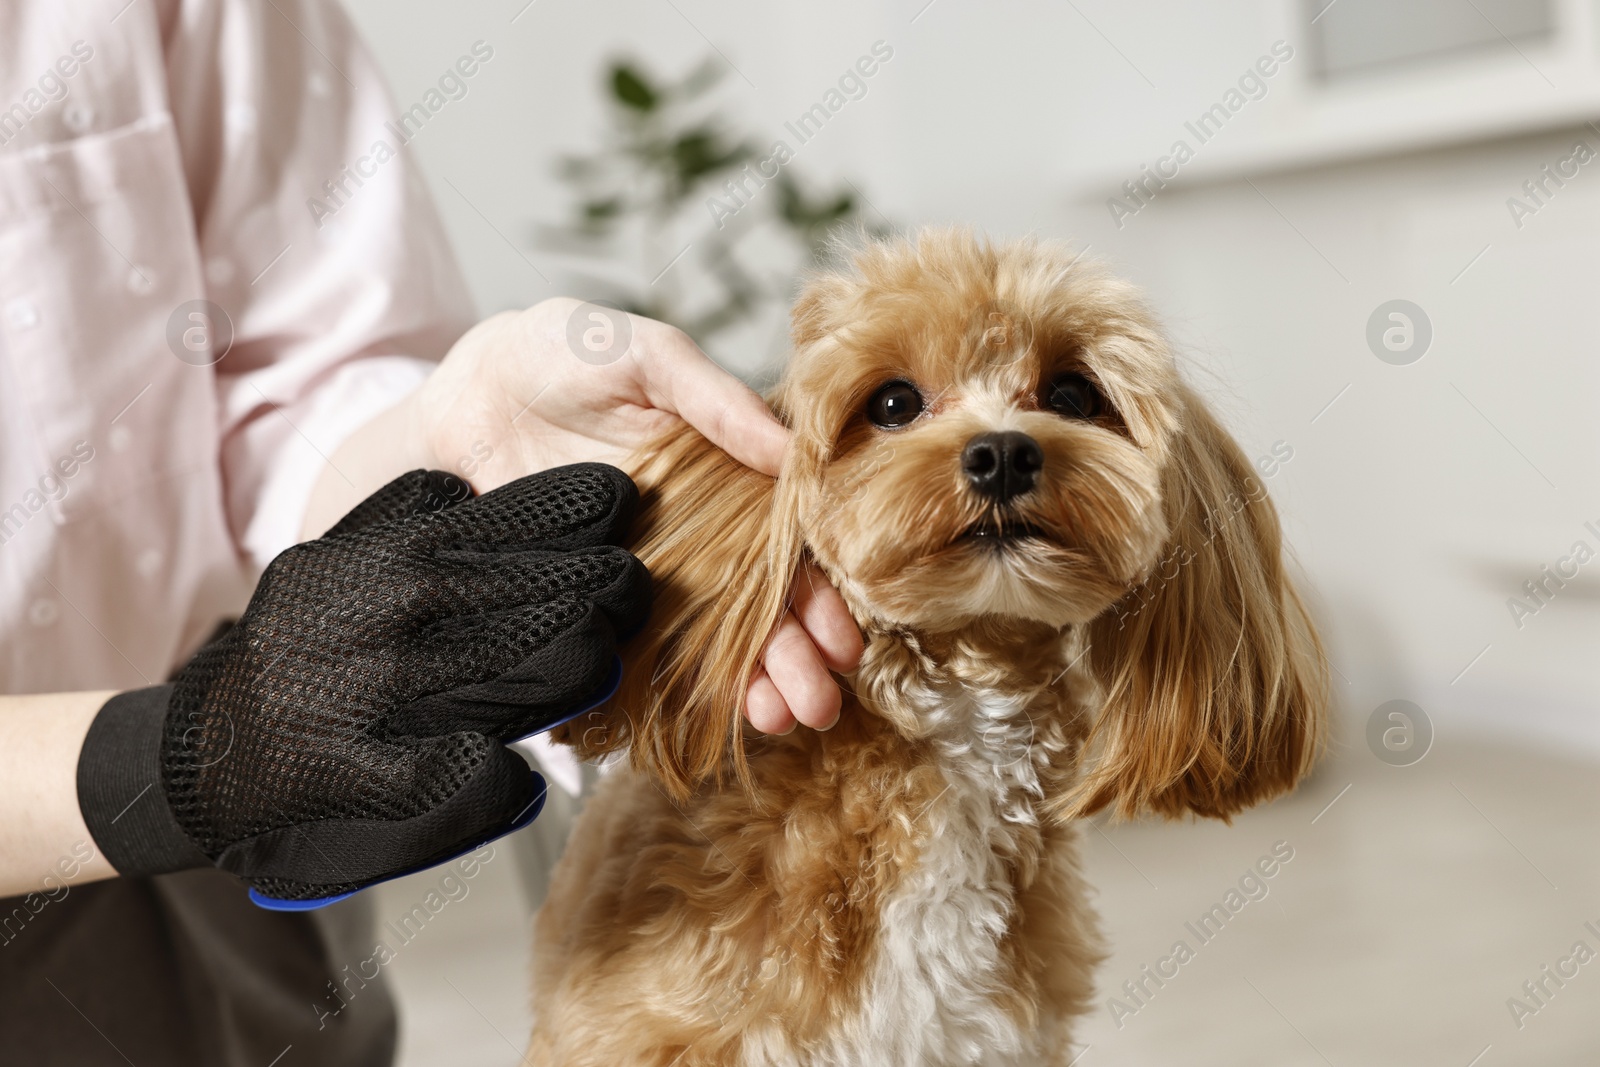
{"type": "Point", "coordinates": [988, 433]}
{"type": "Point", "coordinates": [980, 433]}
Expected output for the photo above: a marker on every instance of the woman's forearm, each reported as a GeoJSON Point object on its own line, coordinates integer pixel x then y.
{"type": "Point", "coordinates": [44, 843]}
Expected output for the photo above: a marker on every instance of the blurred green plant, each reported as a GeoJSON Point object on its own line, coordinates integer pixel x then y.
{"type": "Point", "coordinates": [643, 198]}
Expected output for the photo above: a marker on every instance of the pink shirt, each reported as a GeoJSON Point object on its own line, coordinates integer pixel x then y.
{"type": "Point", "coordinates": [155, 154]}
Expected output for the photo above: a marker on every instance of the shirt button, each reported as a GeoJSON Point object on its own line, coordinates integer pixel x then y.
{"type": "Point", "coordinates": [242, 116]}
{"type": "Point", "coordinates": [43, 612]}
{"type": "Point", "coordinates": [141, 279]}
{"type": "Point", "coordinates": [22, 314]}
{"type": "Point", "coordinates": [219, 271]}
{"type": "Point", "coordinates": [77, 116]}
{"type": "Point", "coordinates": [149, 562]}
{"type": "Point", "coordinates": [120, 438]}
{"type": "Point", "coordinates": [318, 84]}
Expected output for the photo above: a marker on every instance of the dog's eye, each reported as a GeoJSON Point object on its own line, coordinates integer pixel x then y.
{"type": "Point", "coordinates": [1074, 396]}
{"type": "Point", "coordinates": [896, 404]}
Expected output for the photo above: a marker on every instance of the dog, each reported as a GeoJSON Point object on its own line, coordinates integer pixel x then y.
{"type": "Point", "coordinates": [1074, 599]}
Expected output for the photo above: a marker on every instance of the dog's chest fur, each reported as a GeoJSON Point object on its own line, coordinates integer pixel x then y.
{"type": "Point", "coordinates": [943, 986]}
{"type": "Point", "coordinates": [892, 897]}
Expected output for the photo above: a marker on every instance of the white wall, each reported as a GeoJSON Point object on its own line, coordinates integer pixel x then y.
{"type": "Point", "coordinates": [1418, 503]}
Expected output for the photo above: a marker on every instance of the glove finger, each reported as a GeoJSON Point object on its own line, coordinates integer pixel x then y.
{"type": "Point", "coordinates": [508, 674]}
{"type": "Point", "coordinates": [578, 506]}
{"type": "Point", "coordinates": [486, 582]}
{"type": "Point", "coordinates": [332, 856]}
{"type": "Point", "coordinates": [418, 492]}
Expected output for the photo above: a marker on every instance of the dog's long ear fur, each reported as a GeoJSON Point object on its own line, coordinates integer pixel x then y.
{"type": "Point", "coordinates": [1215, 683]}
{"type": "Point", "coordinates": [721, 550]}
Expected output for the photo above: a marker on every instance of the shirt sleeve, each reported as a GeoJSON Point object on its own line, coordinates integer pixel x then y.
{"type": "Point", "coordinates": [320, 244]}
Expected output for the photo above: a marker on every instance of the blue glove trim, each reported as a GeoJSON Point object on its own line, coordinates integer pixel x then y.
{"type": "Point", "coordinates": [608, 689]}
{"type": "Point", "coordinates": [261, 900]}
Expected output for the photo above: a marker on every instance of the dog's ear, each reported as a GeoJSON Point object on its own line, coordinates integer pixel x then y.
{"type": "Point", "coordinates": [721, 550]}
{"type": "Point", "coordinates": [1214, 681]}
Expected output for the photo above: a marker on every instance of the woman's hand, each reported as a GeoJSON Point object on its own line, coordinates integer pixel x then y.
{"type": "Point", "coordinates": [566, 382]}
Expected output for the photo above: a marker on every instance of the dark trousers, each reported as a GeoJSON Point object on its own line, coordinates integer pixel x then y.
{"type": "Point", "coordinates": [183, 969]}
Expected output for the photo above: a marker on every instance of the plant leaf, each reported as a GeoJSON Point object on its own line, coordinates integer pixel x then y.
{"type": "Point", "coordinates": [630, 88]}
{"type": "Point", "coordinates": [701, 151]}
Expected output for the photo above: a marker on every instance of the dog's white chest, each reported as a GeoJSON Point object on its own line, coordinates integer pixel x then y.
{"type": "Point", "coordinates": [931, 998]}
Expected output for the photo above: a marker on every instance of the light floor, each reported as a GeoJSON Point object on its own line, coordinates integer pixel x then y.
{"type": "Point", "coordinates": [1417, 902]}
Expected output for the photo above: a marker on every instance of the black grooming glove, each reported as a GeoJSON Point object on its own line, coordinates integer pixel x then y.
{"type": "Point", "coordinates": [351, 726]}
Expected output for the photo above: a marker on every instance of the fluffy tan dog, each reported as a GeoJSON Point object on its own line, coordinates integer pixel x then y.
{"type": "Point", "coordinates": [1074, 599]}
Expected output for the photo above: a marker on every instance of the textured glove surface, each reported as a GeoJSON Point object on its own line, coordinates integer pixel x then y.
{"type": "Point", "coordinates": [351, 725]}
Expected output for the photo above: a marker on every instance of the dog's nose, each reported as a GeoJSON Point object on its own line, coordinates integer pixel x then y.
{"type": "Point", "coordinates": [1002, 465]}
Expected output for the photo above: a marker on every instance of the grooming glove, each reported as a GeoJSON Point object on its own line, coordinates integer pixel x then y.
{"type": "Point", "coordinates": [351, 727]}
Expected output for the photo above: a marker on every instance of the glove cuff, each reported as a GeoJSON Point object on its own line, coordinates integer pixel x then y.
{"type": "Point", "coordinates": [120, 792]}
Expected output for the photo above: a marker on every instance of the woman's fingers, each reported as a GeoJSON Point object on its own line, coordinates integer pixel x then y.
{"type": "Point", "coordinates": [795, 667]}
{"type": "Point", "coordinates": [680, 378]}
{"type": "Point", "coordinates": [823, 615]}
{"type": "Point", "coordinates": [793, 682]}
{"type": "Point", "coordinates": [765, 707]}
